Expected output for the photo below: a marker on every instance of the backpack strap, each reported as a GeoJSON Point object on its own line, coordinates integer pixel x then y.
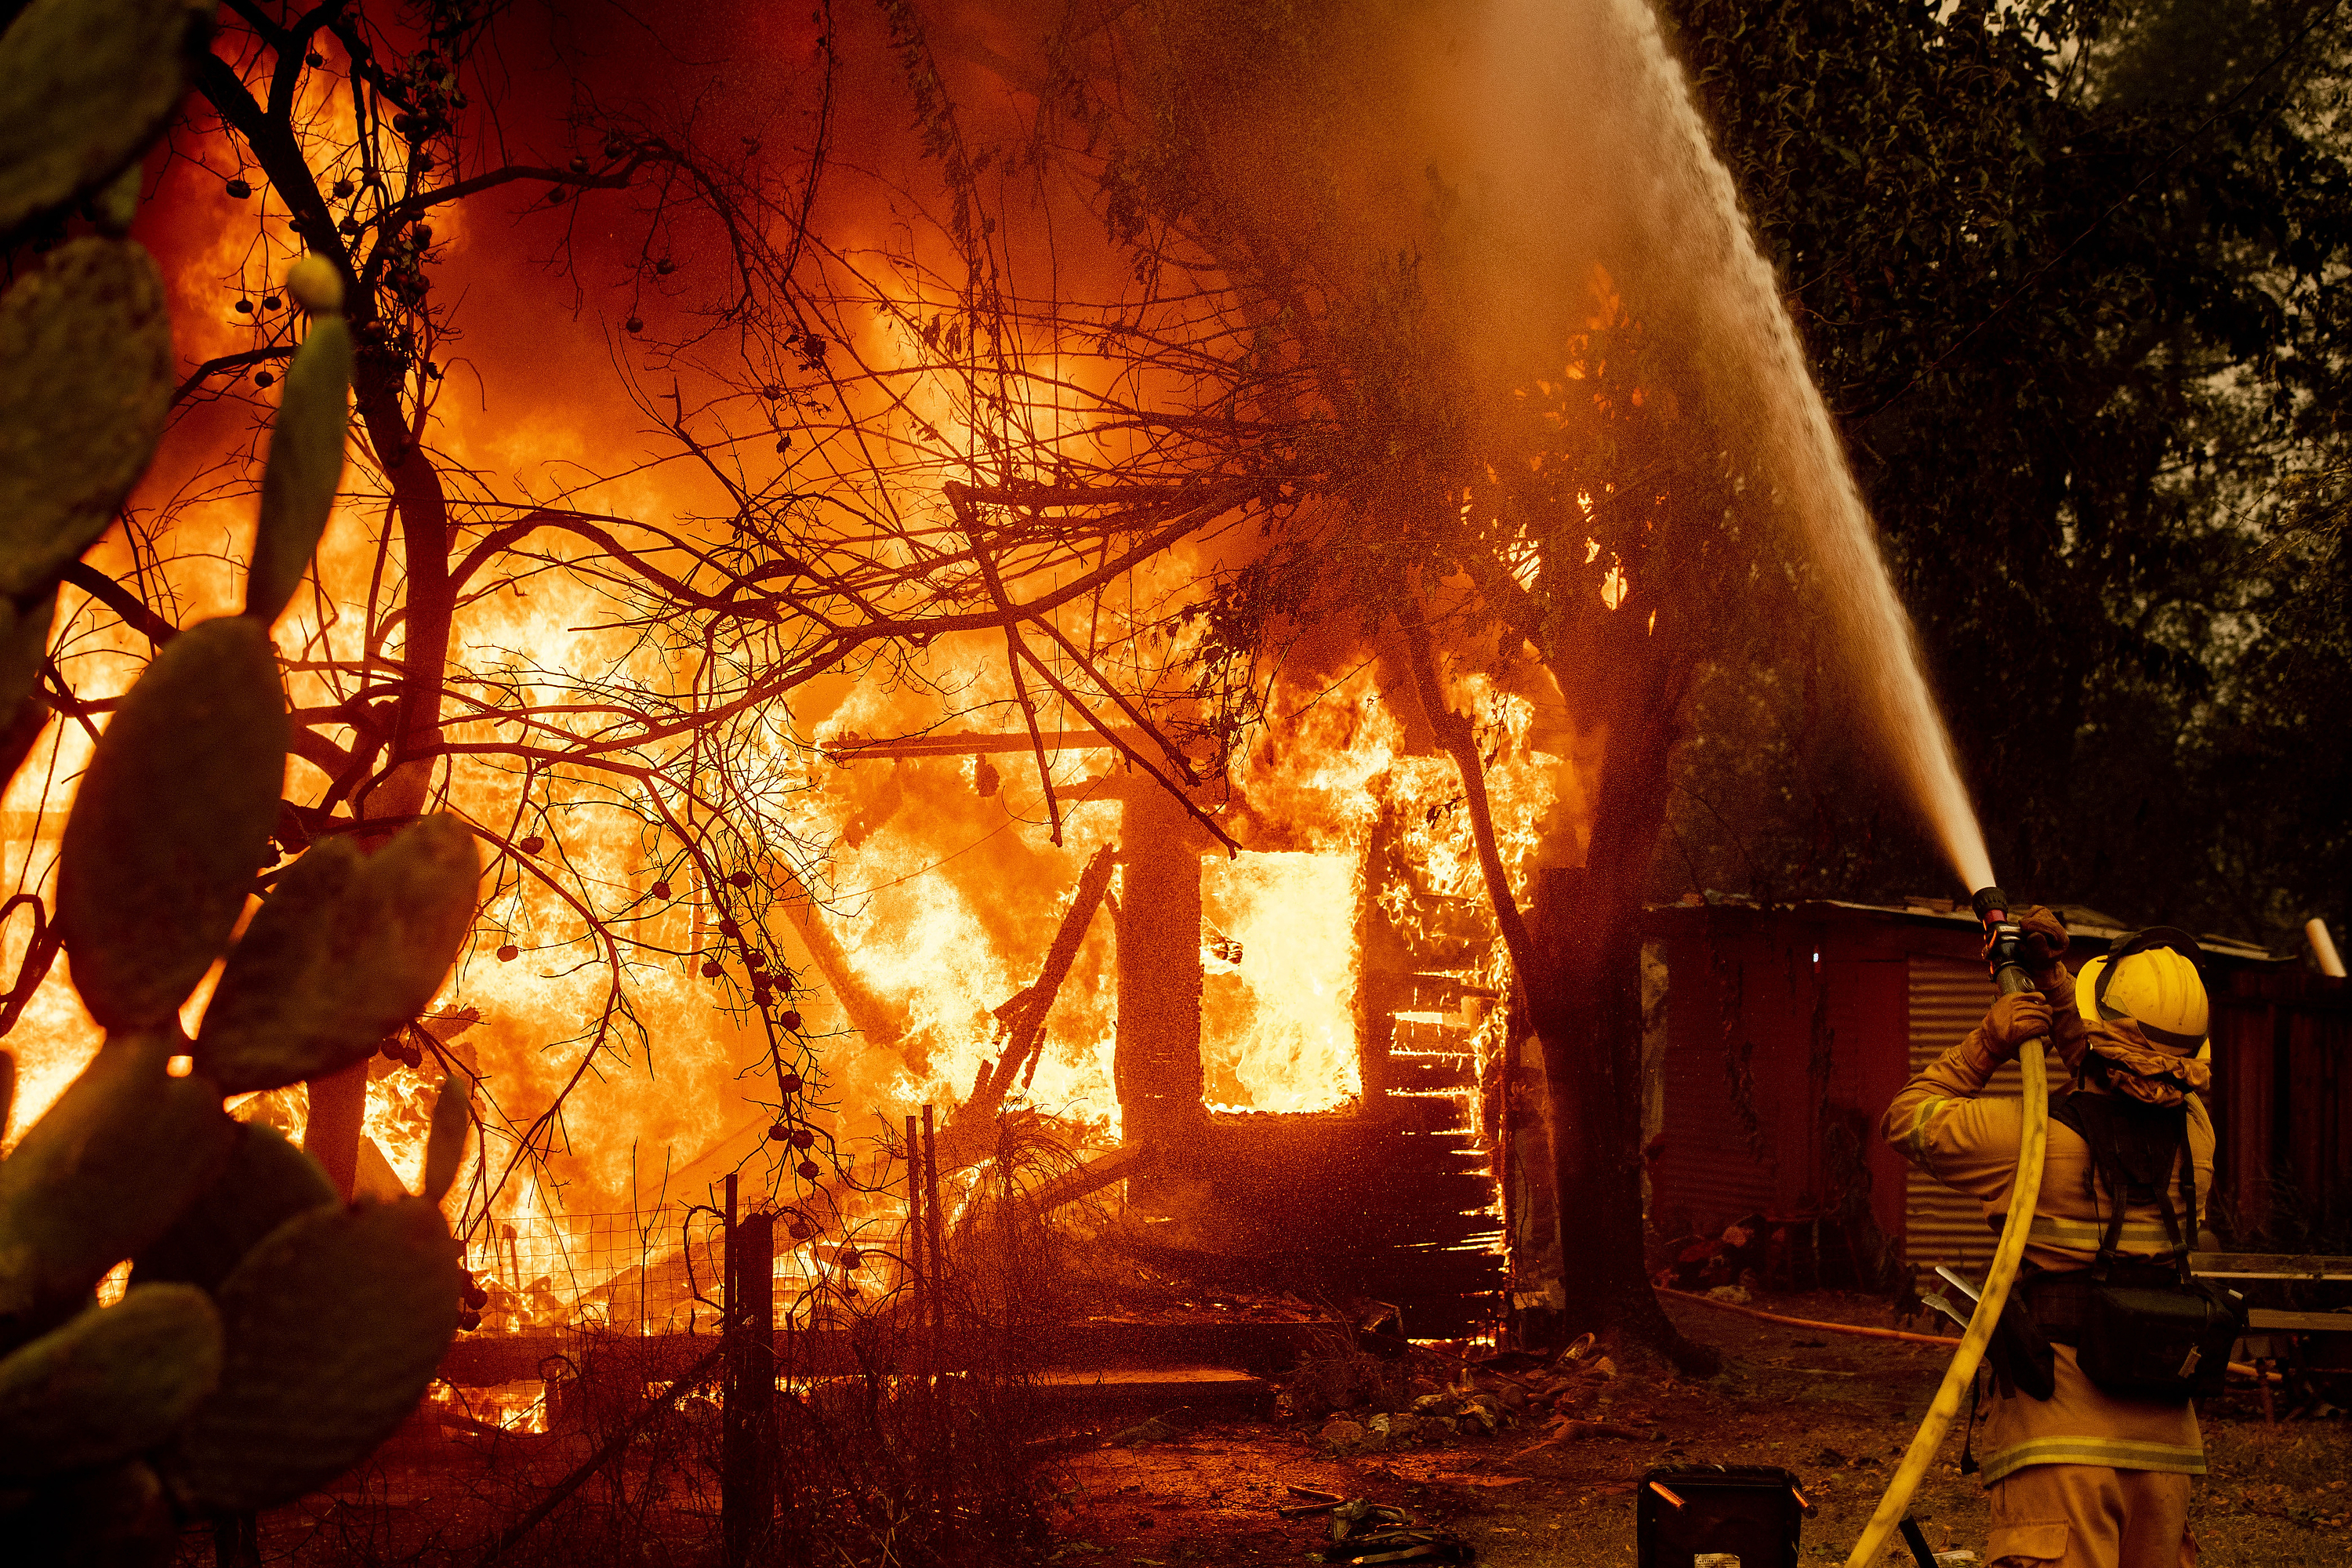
{"type": "Point", "coordinates": [2110, 1253]}
{"type": "Point", "coordinates": [2186, 1240]}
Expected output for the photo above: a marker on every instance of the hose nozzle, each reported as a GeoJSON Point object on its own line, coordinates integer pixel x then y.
{"type": "Point", "coordinates": [2004, 940]}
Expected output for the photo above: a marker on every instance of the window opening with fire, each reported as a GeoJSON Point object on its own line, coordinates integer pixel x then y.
{"type": "Point", "coordinates": [1278, 982]}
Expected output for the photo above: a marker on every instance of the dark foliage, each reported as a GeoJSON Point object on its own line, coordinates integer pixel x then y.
{"type": "Point", "coordinates": [2072, 280]}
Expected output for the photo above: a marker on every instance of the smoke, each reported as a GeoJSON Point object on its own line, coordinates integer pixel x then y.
{"type": "Point", "coordinates": [1456, 188]}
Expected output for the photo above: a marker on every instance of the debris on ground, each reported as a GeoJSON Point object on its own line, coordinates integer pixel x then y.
{"type": "Point", "coordinates": [1158, 1430]}
{"type": "Point", "coordinates": [1369, 1533]}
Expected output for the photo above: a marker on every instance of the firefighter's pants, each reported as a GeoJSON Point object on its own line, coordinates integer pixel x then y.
{"type": "Point", "coordinates": [2087, 1516]}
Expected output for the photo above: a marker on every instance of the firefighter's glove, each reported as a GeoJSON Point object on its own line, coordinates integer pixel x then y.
{"type": "Point", "coordinates": [2015, 1019]}
{"type": "Point", "coordinates": [2044, 943]}
{"type": "Point", "coordinates": [2042, 951]}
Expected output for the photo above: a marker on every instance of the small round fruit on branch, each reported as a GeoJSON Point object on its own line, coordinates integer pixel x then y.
{"type": "Point", "coordinates": [778, 1134]}
{"type": "Point", "coordinates": [809, 1170]}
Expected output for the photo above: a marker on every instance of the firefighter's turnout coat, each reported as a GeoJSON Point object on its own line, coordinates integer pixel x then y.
{"type": "Point", "coordinates": [1943, 1123]}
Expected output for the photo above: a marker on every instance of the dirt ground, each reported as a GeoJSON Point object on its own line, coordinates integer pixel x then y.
{"type": "Point", "coordinates": [1836, 1410]}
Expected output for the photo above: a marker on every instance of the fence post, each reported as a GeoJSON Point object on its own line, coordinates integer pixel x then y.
{"type": "Point", "coordinates": [942, 1360]}
{"type": "Point", "coordinates": [747, 1467]}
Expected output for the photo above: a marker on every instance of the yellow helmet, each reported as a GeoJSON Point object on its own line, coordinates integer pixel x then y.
{"type": "Point", "coordinates": [2150, 978]}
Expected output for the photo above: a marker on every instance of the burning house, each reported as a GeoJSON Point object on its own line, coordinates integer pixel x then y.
{"type": "Point", "coordinates": [1268, 1004]}
{"type": "Point", "coordinates": [1292, 1057]}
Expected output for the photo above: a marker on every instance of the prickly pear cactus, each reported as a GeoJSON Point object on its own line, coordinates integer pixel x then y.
{"type": "Point", "coordinates": [270, 1336]}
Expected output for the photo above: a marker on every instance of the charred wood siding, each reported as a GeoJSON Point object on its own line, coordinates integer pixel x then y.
{"type": "Point", "coordinates": [1393, 1204]}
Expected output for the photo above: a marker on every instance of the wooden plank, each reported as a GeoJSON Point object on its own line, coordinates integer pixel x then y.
{"type": "Point", "coordinates": [2269, 1266]}
{"type": "Point", "coordinates": [2260, 1320]}
{"type": "Point", "coordinates": [1414, 1072]}
{"type": "Point", "coordinates": [1093, 1176]}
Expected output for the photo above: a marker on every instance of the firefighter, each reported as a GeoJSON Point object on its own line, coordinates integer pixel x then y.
{"type": "Point", "coordinates": [2084, 1473]}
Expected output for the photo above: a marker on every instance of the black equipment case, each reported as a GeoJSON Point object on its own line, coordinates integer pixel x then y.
{"type": "Point", "coordinates": [1747, 1512]}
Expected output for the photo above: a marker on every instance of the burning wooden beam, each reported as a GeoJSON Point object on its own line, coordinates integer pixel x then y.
{"type": "Point", "coordinates": [1094, 1175]}
{"type": "Point", "coordinates": [1158, 1056]}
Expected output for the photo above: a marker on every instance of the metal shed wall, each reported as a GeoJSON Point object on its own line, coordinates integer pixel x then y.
{"type": "Point", "coordinates": [1708, 1172]}
{"type": "Point", "coordinates": [2283, 1108]}
{"type": "Point", "coordinates": [1948, 998]}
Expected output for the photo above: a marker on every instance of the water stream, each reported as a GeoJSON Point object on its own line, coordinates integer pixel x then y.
{"type": "Point", "coordinates": [1585, 113]}
{"type": "Point", "coordinates": [1738, 304]}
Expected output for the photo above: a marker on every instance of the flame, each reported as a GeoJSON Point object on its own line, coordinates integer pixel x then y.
{"type": "Point", "coordinates": [943, 896]}
{"type": "Point", "coordinates": [1279, 1027]}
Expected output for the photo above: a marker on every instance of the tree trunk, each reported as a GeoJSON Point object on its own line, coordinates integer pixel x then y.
{"type": "Point", "coordinates": [338, 1107]}
{"type": "Point", "coordinates": [1588, 1016]}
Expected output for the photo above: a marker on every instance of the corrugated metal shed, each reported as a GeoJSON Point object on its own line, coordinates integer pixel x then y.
{"type": "Point", "coordinates": [2283, 1105]}
{"type": "Point", "coordinates": [1948, 998]}
{"type": "Point", "coordinates": [1791, 1028]}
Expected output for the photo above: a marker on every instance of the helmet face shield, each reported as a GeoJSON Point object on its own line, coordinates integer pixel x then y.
{"type": "Point", "coordinates": [2151, 978]}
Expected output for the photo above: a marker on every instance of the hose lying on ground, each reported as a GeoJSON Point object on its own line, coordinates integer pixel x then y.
{"type": "Point", "coordinates": [1862, 1330]}
{"type": "Point", "coordinates": [1859, 1330]}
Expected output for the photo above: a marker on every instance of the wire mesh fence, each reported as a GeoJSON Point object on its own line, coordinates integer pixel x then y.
{"type": "Point", "coordinates": [647, 1273]}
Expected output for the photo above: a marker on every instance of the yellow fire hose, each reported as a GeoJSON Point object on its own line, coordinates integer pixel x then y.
{"type": "Point", "coordinates": [2022, 1194]}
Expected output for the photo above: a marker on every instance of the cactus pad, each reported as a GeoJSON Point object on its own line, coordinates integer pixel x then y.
{"type": "Point", "coordinates": [346, 951]}
{"type": "Point", "coordinates": [266, 1183]}
{"type": "Point", "coordinates": [113, 1382]}
{"type": "Point", "coordinates": [84, 88]}
{"type": "Point", "coordinates": [89, 351]}
{"type": "Point", "coordinates": [335, 1324]}
{"type": "Point", "coordinates": [276, 1019]}
{"type": "Point", "coordinates": [101, 1175]}
{"type": "Point", "coordinates": [171, 822]}
{"type": "Point", "coordinates": [445, 1146]}
{"type": "Point", "coordinates": [306, 466]}
{"type": "Point", "coordinates": [24, 643]}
